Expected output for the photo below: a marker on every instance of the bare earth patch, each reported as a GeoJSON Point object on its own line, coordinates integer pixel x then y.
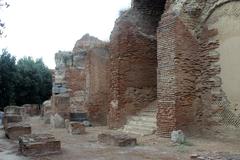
{"type": "Point", "coordinates": [86, 146]}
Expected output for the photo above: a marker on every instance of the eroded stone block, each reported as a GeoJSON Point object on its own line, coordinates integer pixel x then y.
{"type": "Point", "coordinates": [11, 118]}
{"type": "Point", "coordinates": [121, 140]}
{"type": "Point", "coordinates": [178, 137]}
{"type": "Point", "coordinates": [47, 111]}
{"type": "Point", "coordinates": [15, 110]}
{"type": "Point", "coordinates": [57, 121]}
{"type": "Point", "coordinates": [76, 128]}
{"type": "Point", "coordinates": [39, 144]}
{"type": "Point", "coordinates": [14, 130]}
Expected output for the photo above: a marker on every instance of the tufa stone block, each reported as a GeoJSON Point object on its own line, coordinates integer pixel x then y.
{"type": "Point", "coordinates": [76, 128]}
{"type": "Point", "coordinates": [39, 144]}
{"type": "Point", "coordinates": [14, 130]}
{"type": "Point", "coordinates": [178, 137]}
{"type": "Point", "coordinates": [11, 118]}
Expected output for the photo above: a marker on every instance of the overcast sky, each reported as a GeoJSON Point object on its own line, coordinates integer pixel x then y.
{"type": "Point", "coordinates": [39, 28]}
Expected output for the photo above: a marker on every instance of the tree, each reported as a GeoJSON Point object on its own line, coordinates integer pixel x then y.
{"type": "Point", "coordinates": [27, 82]}
{"type": "Point", "coordinates": [7, 78]}
{"type": "Point", "coordinates": [3, 4]}
{"type": "Point", "coordinates": [34, 81]}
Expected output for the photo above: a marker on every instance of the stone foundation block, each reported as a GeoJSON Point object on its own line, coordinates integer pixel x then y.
{"type": "Point", "coordinates": [11, 118]}
{"type": "Point", "coordinates": [15, 110]}
{"type": "Point", "coordinates": [121, 140]}
{"type": "Point", "coordinates": [14, 130]}
{"type": "Point", "coordinates": [39, 144]}
{"type": "Point", "coordinates": [75, 128]}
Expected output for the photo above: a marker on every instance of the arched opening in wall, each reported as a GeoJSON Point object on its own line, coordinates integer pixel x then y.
{"type": "Point", "coordinates": [133, 50]}
{"type": "Point", "coordinates": [226, 19]}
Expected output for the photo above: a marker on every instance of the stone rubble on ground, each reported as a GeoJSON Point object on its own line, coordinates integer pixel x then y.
{"type": "Point", "coordinates": [121, 140]}
{"type": "Point", "coordinates": [215, 156]}
{"type": "Point", "coordinates": [76, 128]}
{"type": "Point", "coordinates": [178, 137]}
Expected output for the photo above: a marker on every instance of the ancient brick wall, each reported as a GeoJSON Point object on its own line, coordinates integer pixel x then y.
{"type": "Point", "coordinates": [133, 71]}
{"type": "Point", "coordinates": [76, 79]}
{"type": "Point", "coordinates": [82, 76]}
{"type": "Point", "coordinates": [190, 89]}
{"type": "Point", "coordinates": [76, 82]}
{"type": "Point", "coordinates": [97, 84]}
{"type": "Point", "coordinates": [178, 54]}
{"type": "Point", "coordinates": [133, 49]}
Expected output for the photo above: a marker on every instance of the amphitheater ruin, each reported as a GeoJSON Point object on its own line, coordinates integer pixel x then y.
{"type": "Point", "coordinates": [169, 65]}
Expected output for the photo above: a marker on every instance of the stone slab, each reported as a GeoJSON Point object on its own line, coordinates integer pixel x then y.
{"type": "Point", "coordinates": [76, 128]}
{"type": "Point", "coordinates": [121, 140]}
{"type": "Point", "coordinates": [15, 110]}
{"type": "Point", "coordinates": [39, 144]}
{"type": "Point", "coordinates": [11, 118]}
{"type": "Point", "coordinates": [14, 130]}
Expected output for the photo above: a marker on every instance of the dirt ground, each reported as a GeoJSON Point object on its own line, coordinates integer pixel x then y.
{"type": "Point", "coordinates": [86, 147]}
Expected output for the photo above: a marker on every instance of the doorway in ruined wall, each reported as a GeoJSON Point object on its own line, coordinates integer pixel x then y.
{"type": "Point", "coordinates": [133, 50]}
{"type": "Point", "coordinates": [226, 19]}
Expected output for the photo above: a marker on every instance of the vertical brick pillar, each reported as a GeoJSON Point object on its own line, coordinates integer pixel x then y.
{"type": "Point", "coordinates": [166, 119]}
{"type": "Point", "coordinates": [178, 52]}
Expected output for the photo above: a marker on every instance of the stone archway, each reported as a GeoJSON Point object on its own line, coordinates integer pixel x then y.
{"type": "Point", "coordinates": [226, 19]}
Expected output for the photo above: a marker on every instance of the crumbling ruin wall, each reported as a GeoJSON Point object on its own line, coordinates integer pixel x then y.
{"type": "Point", "coordinates": [97, 84]}
{"type": "Point", "coordinates": [190, 91]}
{"type": "Point", "coordinates": [68, 86]}
{"type": "Point", "coordinates": [84, 83]}
{"type": "Point", "coordinates": [133, 49]}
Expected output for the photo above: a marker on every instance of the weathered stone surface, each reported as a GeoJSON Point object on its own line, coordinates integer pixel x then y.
{"type": "Point", "coordinates": [60, 109]}
{"type": "Point", "coordinates": [97, 84]}
{"type": "Point", "coordinates": [57, 121]}
{"type": "Point", "coordinates": [39, 144]}
{"type": "Point", "coordinates": [121, 140]}
{"type": "Point", "coordinates": [32, 109]}
{"type": "Point", "coordinates": [87, 42]}
{"type": "Point", "coordinates": [75, 128]}
{"type": "Point", "coordinates": [1, 118]}
{"type": "Point", "coordinates": [15, 110]}
{"type": "Point", "coordinates": [67, 121]}
{"type": "Point", "coordinates": [83, 75]}
{"type": "Point", "coordinates": [215, 156]}
{"type": "Point", "coordinates": [133, 49]}
{"type": "Point", "coordinates": [11, 118]}
{"type": "Point", "coordinates": [47, 111]}
{"type": "Point", "coordinates": [14, 130]}
{"type": "Point", "coordinates": [178, 137]}
{"type": "Point", "coordinates": [190, 89]}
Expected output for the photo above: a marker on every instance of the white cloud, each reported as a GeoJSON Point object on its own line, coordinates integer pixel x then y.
{"type": "Point", "coordinates": [39, 28]}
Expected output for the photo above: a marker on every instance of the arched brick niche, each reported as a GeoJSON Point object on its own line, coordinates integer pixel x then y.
{"type": "Point", "coordinates": [133, 56]}
{"type": "Point", "coordinates": [198, 44]}
{"type": "Point", "coordinates": [226, 20]}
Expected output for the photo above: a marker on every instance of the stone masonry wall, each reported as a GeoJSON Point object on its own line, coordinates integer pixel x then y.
{"type": "Point", "coordinates": [189, 86]}
{"type": "Point", "coordinates": [81, 75]}
{"type": "Point", "coordinates": [178, 59]}
{"type": "Point", "coordinates": [97, 84]}
{"type": "Point", "coordinates": [133, 49]}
